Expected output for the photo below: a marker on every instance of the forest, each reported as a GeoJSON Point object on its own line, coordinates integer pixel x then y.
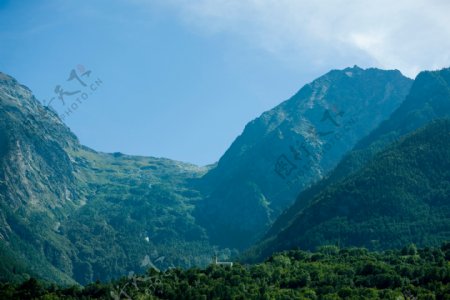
{"type": "Point", "coordinates": [327, 273]}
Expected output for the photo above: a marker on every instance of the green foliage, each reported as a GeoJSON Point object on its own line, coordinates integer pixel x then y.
{"type": "Point", "coordinates": [136, 212]}
{"type": "Point", "coordinates": [330, 273]}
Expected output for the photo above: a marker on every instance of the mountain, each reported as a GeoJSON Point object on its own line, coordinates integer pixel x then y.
{"type": "Point", "coordinates": [291, 146]}
{"type": "Point", "coordinates": [399, 197]}
{"type": "Point", "coordinates": [71, 214]}
{"type": "Point", "coordinates": [428, 100]}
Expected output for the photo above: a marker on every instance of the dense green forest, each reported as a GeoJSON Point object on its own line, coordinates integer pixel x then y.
{"type": "Point", "coordinates": [328, 273]}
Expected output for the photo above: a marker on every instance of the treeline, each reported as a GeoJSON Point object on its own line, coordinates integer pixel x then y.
{"type": "Point", "coordinates": [328, 273]}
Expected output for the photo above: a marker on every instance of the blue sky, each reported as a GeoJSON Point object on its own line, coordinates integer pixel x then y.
{"type": "Point", "coordinates": [180, 79]}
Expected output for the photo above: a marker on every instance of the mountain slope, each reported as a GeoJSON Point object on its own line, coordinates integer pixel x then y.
{"type": "Point", "coordinates": [70, 214]}
{"type": "Point", "coordinates": [37, 178]}
{"type": "Point", "coordinates": [400, 197]}
{"type": "Point", "coordinates": [286, 149]}
{"type": "Point", "coordinates": [428, 100]}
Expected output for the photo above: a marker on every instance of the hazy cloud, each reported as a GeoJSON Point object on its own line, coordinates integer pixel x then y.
{"type": "Point", "coordinates": [406, 35]}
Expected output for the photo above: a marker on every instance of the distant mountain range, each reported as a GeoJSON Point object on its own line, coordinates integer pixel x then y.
{"type": "Point", "coordinates": [347, 146]}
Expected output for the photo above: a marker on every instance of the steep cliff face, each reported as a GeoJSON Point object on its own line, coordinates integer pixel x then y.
{"type": "Point", "coordinates": [36, 168]}
{"type": "Point", "coordinates": [38, 178]}
{"type": "Point", "coordinates": [286, 149]}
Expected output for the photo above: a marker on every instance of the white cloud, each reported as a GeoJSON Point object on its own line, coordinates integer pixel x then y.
{"type": "Point", "coordinates": [405, 35]}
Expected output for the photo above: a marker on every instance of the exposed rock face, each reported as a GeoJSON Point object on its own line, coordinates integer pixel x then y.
{"type": "Point", "coordinates": [36, 168]}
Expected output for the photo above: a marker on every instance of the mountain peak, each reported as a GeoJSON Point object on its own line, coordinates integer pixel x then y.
{"type": "Point", "coordinates": [354, 68]}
